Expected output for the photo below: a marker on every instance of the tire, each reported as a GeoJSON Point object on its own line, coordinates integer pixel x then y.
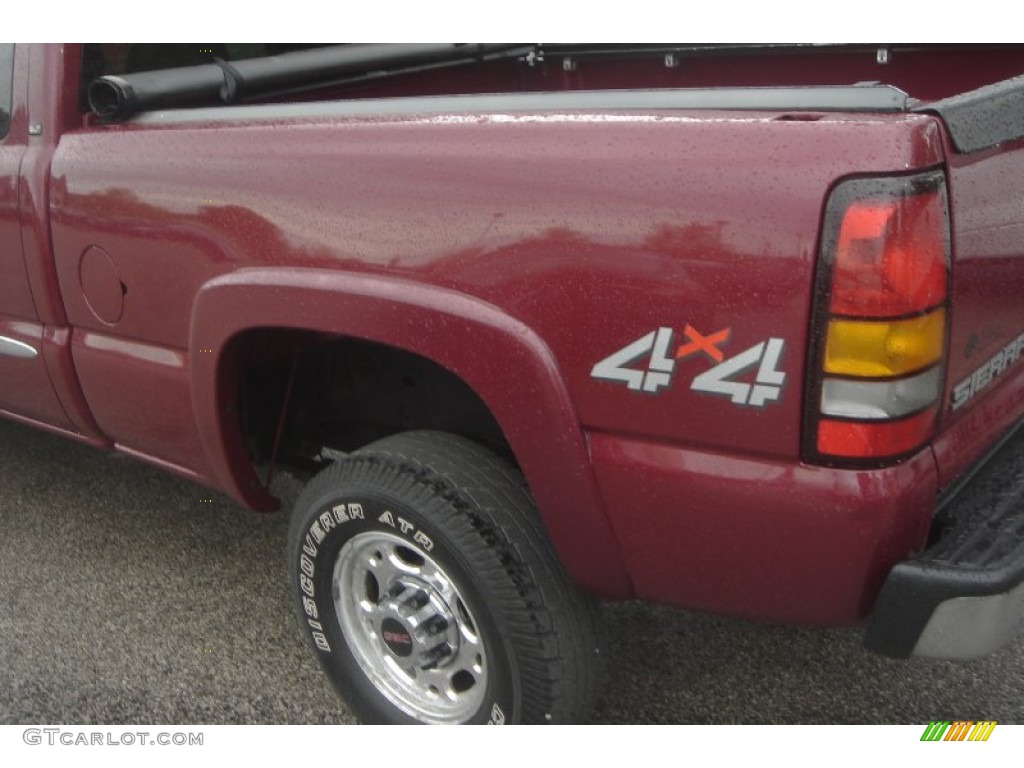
{"type": "Point", "coordinates": [425, 582]}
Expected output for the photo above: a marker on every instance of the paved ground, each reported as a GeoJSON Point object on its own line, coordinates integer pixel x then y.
{"type": "Point", "coordinates": [127, 597]}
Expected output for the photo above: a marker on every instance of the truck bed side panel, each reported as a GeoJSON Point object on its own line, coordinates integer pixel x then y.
{"type": "Point", "coordinates": [594, 230]}
{"type": "Point", "coordinates": [986, 350]}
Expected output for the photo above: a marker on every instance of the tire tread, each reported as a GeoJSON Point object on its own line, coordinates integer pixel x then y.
{"type": "Point", "coordinates": [478, 498]}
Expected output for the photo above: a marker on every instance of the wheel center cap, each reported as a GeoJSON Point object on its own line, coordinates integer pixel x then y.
{"type": "Point", "coordinates": [396, 637]}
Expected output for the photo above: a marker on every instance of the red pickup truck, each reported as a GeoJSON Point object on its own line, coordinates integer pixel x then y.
{"type": "Point", "coordinates": [732, 328]}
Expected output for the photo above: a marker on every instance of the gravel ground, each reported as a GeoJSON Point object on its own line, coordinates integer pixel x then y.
{"type": "Point", "coordinates": [129, 596]}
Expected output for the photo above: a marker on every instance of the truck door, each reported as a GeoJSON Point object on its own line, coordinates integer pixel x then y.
{"type": "Point", "coordinates": [25, 388]}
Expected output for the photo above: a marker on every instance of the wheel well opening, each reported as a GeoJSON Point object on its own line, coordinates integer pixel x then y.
{"type": "Point", "coordinates": [305, 397]}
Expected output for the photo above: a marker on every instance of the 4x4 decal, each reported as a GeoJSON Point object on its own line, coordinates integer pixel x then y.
{"type": "Point", "coordinates": [729, 377]}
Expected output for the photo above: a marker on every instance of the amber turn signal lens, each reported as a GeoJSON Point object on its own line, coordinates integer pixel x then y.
{"type": "Point", "coordinates": [884, 348]}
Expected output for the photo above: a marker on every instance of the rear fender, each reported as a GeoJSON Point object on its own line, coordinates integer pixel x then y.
{"type": "Point", "coordinates": [508, 366]}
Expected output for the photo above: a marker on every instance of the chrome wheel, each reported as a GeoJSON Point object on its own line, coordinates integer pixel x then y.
{"type": "Point", "coordinates": [426, 585]}
{"type": "Point", "coordinates": [409, 629]}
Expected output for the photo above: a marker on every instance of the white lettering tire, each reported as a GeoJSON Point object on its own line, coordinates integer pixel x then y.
{"type": "Point", "coordinates": [425, 582]}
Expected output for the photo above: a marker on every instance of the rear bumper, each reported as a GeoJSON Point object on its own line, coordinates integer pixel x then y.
{"type": "Point", "coordinates": [963, 597]}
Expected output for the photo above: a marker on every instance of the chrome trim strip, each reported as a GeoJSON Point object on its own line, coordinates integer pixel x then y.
{"type": "Point", "coordinates": [14, 348]}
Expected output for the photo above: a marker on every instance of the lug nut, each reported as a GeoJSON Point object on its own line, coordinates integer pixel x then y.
{"type": "Point", "coordinates": [430, 659]}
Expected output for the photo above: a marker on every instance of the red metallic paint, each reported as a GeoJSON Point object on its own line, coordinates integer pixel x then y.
{"type": "Point", "coordinates": [24, 384]}
{"type": "Point", "coordinates": [64, 377]}
{"type": "Point", "coordinates": [521, 214]}
{"type": "Point", "coordinates": [101, 286]}
{"type": "Point", "coordinates": [972, 432]}
{"type": "Point", "coordinates": [517, 252]}
{"type": "Point", "coordinates": [44, 109]}
{"type": "Point", "coordinates": [500, 358]}
{"type": "Point", "coordinates": [583, 229]}
{"type": "Point", "coordinates": [15, 295]}
{"type": "Point", "coordinates": [760, 538]}
{"type": "Point", "coordinates": [25, 388]}
{"type": "Point", "coordinates": [150, 414]}
{"type": "Point", "coordinates": [987, 298]}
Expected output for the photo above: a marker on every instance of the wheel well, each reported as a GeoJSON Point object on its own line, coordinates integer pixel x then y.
{"type": "Point", "coordinates": [299, 393]}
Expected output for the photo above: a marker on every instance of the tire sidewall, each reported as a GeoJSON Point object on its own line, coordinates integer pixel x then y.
{"type": "Point", "coordinates": [323, 524]}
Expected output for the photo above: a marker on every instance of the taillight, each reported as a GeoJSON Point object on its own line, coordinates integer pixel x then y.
{"type": "Point", "coordinates": [879, 325]}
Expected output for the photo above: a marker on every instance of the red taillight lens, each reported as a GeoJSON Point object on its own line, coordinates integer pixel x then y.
{"type": "Point", "coordinates": [880, 322]}
{"type": "Point", "coordinates": [890, 257]}
{"type": "Point", "coordinates": [868, 440]}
